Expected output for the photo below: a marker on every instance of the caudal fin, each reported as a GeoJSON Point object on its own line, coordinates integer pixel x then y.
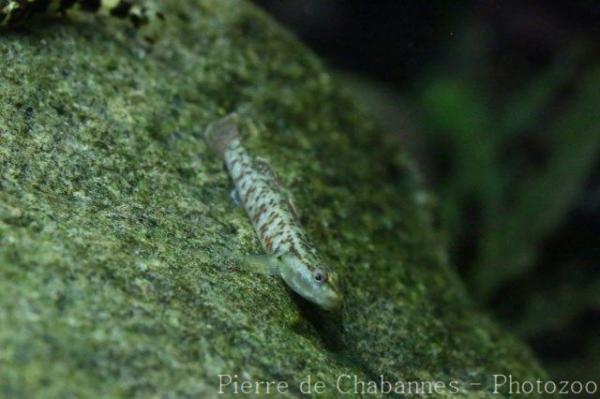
{"type": "Point", "coordinates": [221, 133]}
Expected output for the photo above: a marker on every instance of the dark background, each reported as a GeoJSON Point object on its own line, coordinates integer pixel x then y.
{"type": "Point", "coordinates": [499, 101]}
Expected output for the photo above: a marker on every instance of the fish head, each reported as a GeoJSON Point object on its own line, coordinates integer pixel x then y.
{"type": "Point", "coordinates": [311, 280]}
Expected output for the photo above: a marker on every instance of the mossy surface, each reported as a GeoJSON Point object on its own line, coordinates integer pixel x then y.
{"type": "Point", "coordinates": [120, 271]}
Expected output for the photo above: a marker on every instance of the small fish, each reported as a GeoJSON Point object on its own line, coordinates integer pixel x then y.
{"type": "Point", "coordinates": [13, 12]}
{"type": "Point", "coordinates": [274, 217]}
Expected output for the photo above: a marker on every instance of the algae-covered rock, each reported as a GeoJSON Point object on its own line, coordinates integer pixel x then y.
{"type": "Point", "coordinates": [120, 251]}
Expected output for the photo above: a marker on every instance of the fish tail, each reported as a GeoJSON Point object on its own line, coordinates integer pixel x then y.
{"type": "Point", "coordinates": [221, 133]}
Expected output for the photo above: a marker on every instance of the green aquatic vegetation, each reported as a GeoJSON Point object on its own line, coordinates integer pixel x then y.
{"type": "Point", "coordinates": [510, 166]}
{"type": "Point", "coordinates": [484, 187]}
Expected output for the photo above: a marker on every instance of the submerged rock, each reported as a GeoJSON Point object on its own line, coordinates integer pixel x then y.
{"type": "Point", "coordinates": [120, 271]}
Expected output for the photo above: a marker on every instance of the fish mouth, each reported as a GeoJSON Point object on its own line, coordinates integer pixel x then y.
{"type": "Point", "coordinates": [331, 303]}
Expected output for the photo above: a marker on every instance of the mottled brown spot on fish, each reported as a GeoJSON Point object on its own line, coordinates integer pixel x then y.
{"type": "Point", "coordinates": [269, 243]}
{"type": "Point", "coordinates": [259, 213]}
{"type": "Point", "coordinates": [249, 193]}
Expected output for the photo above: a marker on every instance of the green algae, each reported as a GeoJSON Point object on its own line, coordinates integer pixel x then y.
{"type": "Point", "coordinates": [118, 242]}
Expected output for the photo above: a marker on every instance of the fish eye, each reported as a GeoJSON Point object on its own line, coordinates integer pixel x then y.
{"type": "Point", "coordinates": [320, 276]}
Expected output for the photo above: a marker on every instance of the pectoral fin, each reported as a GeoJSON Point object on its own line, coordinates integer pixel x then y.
{"type": "Point", "coordinates": [263, 264]}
